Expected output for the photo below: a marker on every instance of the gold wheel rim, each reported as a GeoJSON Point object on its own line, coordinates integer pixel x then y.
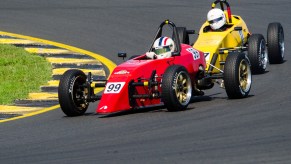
{"type": "Point", "coordinates": [183, 88]}
{"type": "Point", "coordinates": [244, 75]}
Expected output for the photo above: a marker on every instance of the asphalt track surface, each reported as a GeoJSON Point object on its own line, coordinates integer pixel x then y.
{"type": "Point", "coordinates": [213, 129]}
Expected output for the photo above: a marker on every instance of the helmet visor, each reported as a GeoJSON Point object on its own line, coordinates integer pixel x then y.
{"type": "Point", "coordinates": [215, 20]}
{"type": "Point", "coordinates": [161, 50]}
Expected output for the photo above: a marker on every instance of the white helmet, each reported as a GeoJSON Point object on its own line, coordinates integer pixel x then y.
{"type": "Point", "coordinates": [163, 47]}
{"type": "Point", "coordinates": [216, 18]}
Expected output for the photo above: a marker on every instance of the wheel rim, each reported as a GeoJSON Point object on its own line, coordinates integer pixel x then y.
{"type": "Point", "coordinates": [183, 88]}
{"type": "Point", "coordinates": [281, 43]}
{"type": "Point", "coordinates": [79, 93]}
{"type": "Point", "coordinates": [263, 55]}
{"type": "Point", "coordinates": [244, 76]}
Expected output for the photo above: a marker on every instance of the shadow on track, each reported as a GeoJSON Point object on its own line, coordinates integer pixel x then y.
{"type": "Point", "coordinates": [161, 108]}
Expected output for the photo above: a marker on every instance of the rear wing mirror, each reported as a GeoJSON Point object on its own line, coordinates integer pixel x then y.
{"type": "Point", "coordinates": [122, 55]}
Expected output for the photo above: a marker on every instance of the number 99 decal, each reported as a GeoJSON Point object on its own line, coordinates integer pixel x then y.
{"type": "Point", "coordinates": [114, 87]}
{"type": "Point", "coordinates": [194, 53]}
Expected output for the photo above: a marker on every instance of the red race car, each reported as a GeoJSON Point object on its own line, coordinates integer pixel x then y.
{"type": "Point", "coordinates": [151, 79]}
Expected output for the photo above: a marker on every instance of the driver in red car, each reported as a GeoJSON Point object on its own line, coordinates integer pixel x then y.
{"type": "Point", "coordinates": [216, 19]}
{"type": "Point", "coordinates": [162, 48]}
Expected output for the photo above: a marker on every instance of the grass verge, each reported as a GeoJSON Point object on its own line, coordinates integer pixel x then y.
{"type": "Point", "coordinates": [21, 73]}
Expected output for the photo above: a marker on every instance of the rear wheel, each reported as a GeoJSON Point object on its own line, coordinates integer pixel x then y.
{"type": "Point", "coordinates": [257, 53]}
{"type": "Point", "coordinates": [72, 93]}
{"type": "Point", "coordinates": [237, 76]}
{"type": "Point", "coordinates": [275, 39]}
{"type": "Point", "coordinates": [176, 88]}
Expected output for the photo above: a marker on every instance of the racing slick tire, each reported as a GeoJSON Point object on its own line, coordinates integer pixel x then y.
{"type": "Point", "coordinates": [71, 93]}
{"type": "Point", "coordinates": [275, 42]}
{"type": "Point", "coordinates": [237, 76]}
{"type": "Point", "coordinates": [257, 53]}
{"type": "Point", "coordinates": [176, 88]}
{"type": "Point", "coordinates": [183, 36]}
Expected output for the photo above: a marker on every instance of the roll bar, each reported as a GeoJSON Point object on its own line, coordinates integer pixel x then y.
{"type": "Point", "coordinates": [175, 35]}
{"type": "Point", "coordinates": [221, 2]}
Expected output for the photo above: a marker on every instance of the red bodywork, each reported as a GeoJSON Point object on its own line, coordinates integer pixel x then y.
{"type": "Point", "coordinates": [116, 98]}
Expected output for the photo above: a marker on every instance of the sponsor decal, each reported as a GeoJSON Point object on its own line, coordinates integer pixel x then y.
{"type": "Point", "coordinates": [121, 72]}
{"type": "Point", "coordinates": [174, 85]}
{"type": "Point", "coordinates": [103, 107]}
{"type": "Point", "coordinates": [71, 86]}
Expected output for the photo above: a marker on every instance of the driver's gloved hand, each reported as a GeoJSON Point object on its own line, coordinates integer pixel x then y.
{"type": "Point", "coordinates": [151, 55]}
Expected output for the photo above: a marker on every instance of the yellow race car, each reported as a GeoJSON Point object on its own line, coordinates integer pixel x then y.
{"type": "Point", "coordinates": [221, 47]}
{"type": "Point", "coordinates": [218, 44]}
{"type": "Point", "coordinates": [235, 37]}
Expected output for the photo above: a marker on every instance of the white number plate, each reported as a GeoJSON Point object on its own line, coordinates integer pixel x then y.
{"type": "Point", "coordinates": [194, 53]}
{"type": "Point", "coordinates": [114, 87]}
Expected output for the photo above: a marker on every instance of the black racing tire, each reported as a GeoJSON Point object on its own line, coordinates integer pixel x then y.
{"type": "Point", "coordinates": [237, 76]}
{"type": "Point", "coordinates": [71, 93]}
{"type": "Point", "coordinates": [183, 36]}
{"type": "Point", "coordinates": [275, 42]}
{"type": "Point", "coordinates": [257, 53]}
{"type": "Point", "coordinates": [176, 88]}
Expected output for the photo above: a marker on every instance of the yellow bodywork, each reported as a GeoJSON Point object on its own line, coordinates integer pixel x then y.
{"type": "Point", "coordinates": [210, 41]}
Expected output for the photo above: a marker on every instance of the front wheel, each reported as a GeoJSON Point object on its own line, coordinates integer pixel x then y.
{"type": "Point", "coordinates": [72, 93]}
{"type": "Point", "coordinates": [257, 53]}
{"type": "Point", "coordinates": [176, 88]}
{"type": "Point", "coordinates": [237, 76]}
{"type": "Point", "coordinates": [275, 39]}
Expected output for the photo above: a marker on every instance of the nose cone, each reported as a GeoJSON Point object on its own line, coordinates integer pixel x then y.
{"type": "Point", "coordinates": [114, 98]}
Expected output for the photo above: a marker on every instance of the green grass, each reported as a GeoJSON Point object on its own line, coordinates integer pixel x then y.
{"type": "Point", "coordinates": [21, 73]}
